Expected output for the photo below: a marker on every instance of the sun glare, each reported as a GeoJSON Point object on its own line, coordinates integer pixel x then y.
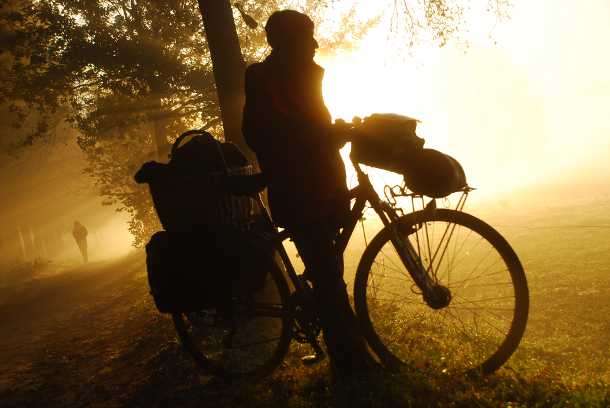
{"type": "Point", "coordinates": [371, 80]}
{"type": "Point", "coordinates": [505, 112]}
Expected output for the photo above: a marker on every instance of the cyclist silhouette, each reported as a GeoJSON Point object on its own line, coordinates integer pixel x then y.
{"type": "Point", "coordinates": [288, 126]}
{"type": "Point", "coordinates": [79, 232]}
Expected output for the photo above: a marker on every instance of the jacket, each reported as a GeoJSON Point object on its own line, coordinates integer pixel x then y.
{"type": "Point", "coordinates": [287, 125]}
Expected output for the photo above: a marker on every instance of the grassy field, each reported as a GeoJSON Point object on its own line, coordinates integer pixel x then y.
{"type": "Point", "coordinates": [92, 337]}
{"type": "Point", "coordinates": [566, 254]}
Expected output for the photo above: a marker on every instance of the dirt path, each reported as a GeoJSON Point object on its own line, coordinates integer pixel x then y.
{"type": "Point", "coordinates": [90, 336]}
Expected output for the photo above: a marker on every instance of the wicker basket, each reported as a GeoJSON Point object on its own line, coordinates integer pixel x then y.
{"type": "Point", "coordinates": [186, 191]}
{"type": "Point", "coordinates": [185, 202]}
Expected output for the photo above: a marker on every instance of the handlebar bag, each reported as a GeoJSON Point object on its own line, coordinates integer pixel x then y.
{"type": "Point", "coordinates": [385, 141]}
{"type": "Point", "coordinates": [389, 142]}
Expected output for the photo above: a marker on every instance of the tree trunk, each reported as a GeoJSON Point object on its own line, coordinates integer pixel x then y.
{"type": "Point", "coordinates": [158, 129]}
{"type": "Point", "coordinates": [22, 243]}
{"type": "Point", "coordinates": [161, 145]}
{"type": "Point", "coordinates": [228, 66]}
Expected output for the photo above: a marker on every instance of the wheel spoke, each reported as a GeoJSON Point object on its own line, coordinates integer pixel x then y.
{"type": "Point", "coordinates": [503, 271]}
{"type": "Point", "coordinates": [246, 337]}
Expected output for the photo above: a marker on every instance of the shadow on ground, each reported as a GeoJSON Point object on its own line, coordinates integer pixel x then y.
{"type": "Point", "coordinates": [92, 337]}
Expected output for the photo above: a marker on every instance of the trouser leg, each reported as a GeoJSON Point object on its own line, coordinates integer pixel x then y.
{"type": "Point", "coordinates": [85, 253]}
{"type": "Point", "coordinates": [82, 246]}
{"type": "Point", "coordinates": [344, 341]}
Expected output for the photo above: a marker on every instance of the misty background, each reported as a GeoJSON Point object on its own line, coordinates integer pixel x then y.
{"type": "Point", "coordinates": [522, 103]}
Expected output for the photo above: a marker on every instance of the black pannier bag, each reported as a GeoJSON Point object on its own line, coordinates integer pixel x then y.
{"type": "Point", "coordinates": [203, 269]}
{"type": "Point", "coordinates": [172, 283]}
{"type": "Point", "coordinates": [206, 253]}
{"type": "Point", "coordinates": [389, 142]}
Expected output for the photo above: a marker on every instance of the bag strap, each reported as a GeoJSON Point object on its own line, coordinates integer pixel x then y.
{"type": "Point", "coordinates": [222, 157]}
{"type": "Point", "coordinates": [200, 132]}
{"type": "Point", "coordinates": [180, 138]}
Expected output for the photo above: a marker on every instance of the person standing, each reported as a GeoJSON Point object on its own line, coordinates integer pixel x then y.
{"type": "Point", "coordinates": [288, 126]}
{"type": "Point", "coordinates": [79, 232]}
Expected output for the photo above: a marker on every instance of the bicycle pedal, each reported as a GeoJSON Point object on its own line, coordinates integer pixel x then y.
{"type": "Point", "coordinates": [312, 359]}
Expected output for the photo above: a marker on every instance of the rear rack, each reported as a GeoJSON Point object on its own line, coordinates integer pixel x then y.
{"type": "Point", "coordinates": [393, 192]}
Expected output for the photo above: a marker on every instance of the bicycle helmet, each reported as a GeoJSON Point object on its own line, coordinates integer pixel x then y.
{"type": "Point", "coordinates": [284, 26]}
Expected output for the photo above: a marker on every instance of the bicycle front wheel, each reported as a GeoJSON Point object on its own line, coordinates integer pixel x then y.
{"type": "Point", "coordinates": [486, 316]}
{"type": "Point", "coordinates": [246, 337]}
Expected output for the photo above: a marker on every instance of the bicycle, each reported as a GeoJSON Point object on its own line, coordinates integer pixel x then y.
{"type": "Point", "coordinates": [426, 292]}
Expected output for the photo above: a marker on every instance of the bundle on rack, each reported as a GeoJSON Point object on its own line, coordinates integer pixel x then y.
{"type": "Point", "coordinates": [207, 252]}
{"type": "Point", "coordinates": [389, 142]}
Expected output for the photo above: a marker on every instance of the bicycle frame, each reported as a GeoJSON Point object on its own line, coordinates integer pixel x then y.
{"type": "Point", "coordinates": [298, 313]}
{"type": "Point", "coordinates": [365, 192]}
{"type": "Point", "coordinates": [362, 193]}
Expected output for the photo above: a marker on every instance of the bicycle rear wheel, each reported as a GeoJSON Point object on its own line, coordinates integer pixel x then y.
{"type": "Point", "coordinates": [246, 337]}
{"type": "Point", "coordinates": [485, 320]}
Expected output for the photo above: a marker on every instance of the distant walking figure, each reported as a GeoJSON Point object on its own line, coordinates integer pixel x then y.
{"type": "Point", "coordinates": [288, 126]}
{"type": "Point", "coordinates": [79, 232]}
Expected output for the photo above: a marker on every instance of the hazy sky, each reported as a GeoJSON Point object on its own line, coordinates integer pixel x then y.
{"type": "Point", "coordinates": [533, 107]}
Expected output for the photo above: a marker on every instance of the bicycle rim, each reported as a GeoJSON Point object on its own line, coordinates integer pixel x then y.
{"type": "Point", "coordinates": [246, 338]}
{"type": "Point", "coordinates": [485, 320]}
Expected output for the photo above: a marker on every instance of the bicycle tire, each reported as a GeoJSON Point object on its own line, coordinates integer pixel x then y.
{"type": "Point", "coordinates": [402, 333]}
{"type": "Point", "coordinates": [204, 338]}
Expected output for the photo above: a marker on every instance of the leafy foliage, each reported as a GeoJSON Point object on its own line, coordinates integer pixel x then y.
{"type": "Point", "coordinates": [113, 160]}
{"type": "Point", "coordinates": [103, 58]}
{"type": "Point", "coordinates": [127, 73]}
{"type": "Point", "coordinates": [439, 21]}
